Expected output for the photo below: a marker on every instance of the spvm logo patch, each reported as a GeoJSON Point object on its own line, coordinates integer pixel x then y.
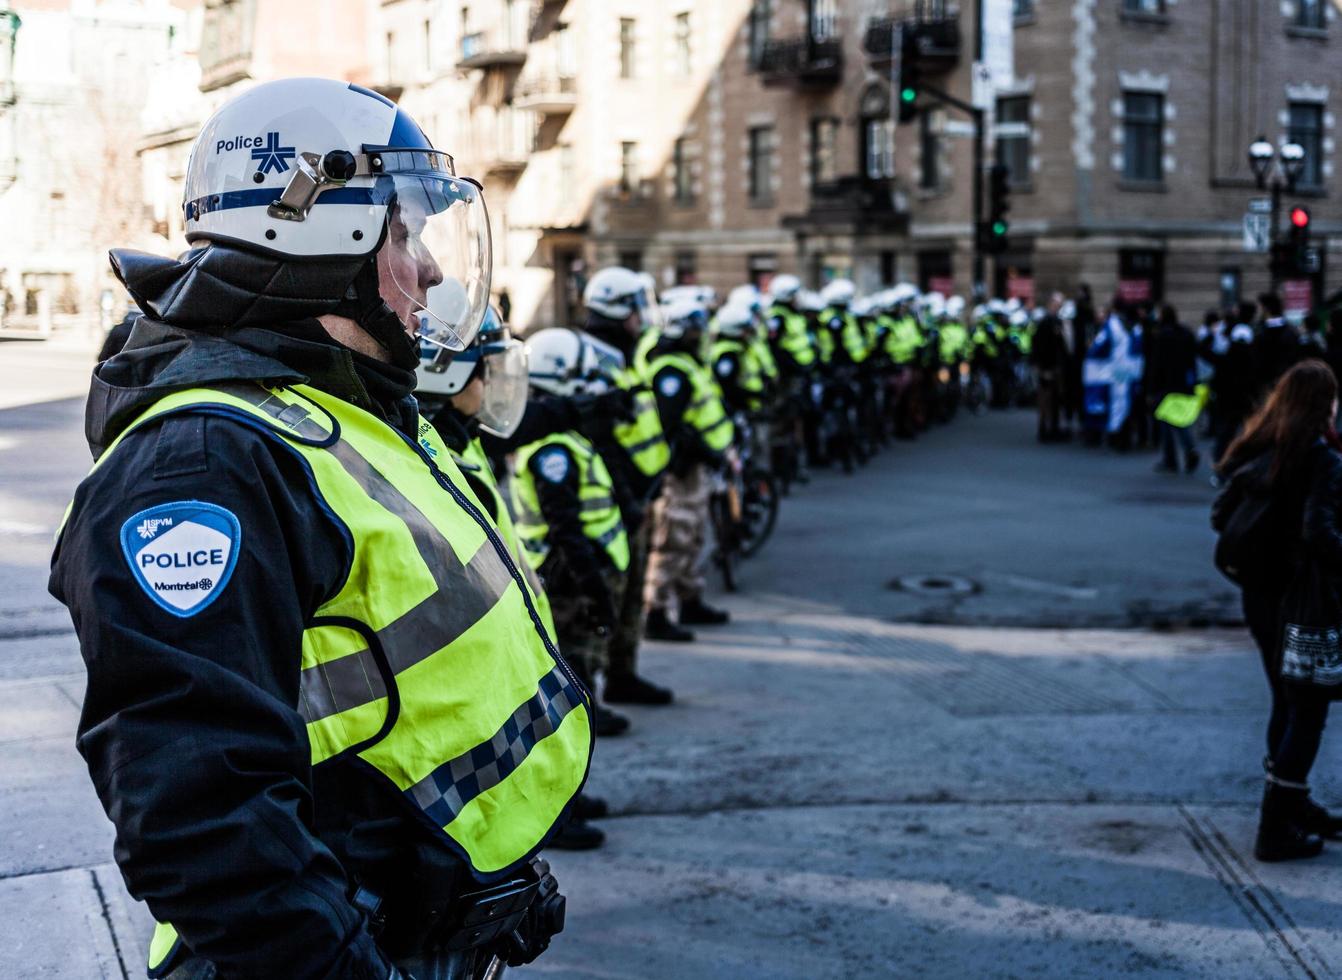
{"type": "Point", "coordinates": [182, 554]}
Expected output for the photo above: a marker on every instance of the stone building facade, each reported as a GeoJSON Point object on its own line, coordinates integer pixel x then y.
{"type": "Point", "coordinates": [724, 141]}
{"type": "Point", "coordinates": [72, 80]}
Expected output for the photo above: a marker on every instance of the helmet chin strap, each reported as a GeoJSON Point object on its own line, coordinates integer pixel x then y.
{"type": "Point", "coordinates": [363, 303]}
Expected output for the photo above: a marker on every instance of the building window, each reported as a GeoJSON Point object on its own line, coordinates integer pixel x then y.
{"type": "Point", "coordinates": [631, 259]}
{"type": "Point", "coordinates": [1310, 14]}
{"type": "Point", "coordinates": [1013, 137]}
{"type": "Point", "coordinates": [626, 47]}
{"type": "Point", "coordinates": [929, 177]}
{"type": "Point", "coordinates": [1141, 275]}
{"type": "Point", "coordinates": [1022, 8]}
{"type": "Point", "coordinates": [684, 53]}
{"type": "Point", "coordinates": [878, 147]}
{"type": "Point", "coordinates": [1144, 6]}
{"type": "Point", "coordinates": [1306, 128]}
{"type": "Point", "coordinates": [760, 12]}
{"type": "Point", "coordinates": [824, 150]}
{"type": "Point", "coordinates": [761, 164]}
{"type": "Point", "coordinates": [628, 167]}
{"type": "Point", "coordinates": [391, 55]}
{"type": "Point", "coordinates": [824, 19]}
{"type": "Point", "coordinates": [686, 271]}
{"type": "Point", "coordinates": [682, 180]}
{"type": "Point", "coordinates": [428, 45]}
{"type": "Point", "coordinates": [567, 170]}
{"type": "Point", "coordinates": [1143, 136]}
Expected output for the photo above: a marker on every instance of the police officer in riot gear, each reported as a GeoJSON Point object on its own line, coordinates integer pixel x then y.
{"type": "Point", "coordinates": [619, 308]}
{"type": "Point", "coordinates": [296, 614]}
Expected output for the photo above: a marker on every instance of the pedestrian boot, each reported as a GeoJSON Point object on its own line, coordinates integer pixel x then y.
{"type": "Point", "coordinates": [608, 724]}
{"type": "Point", "coordinates": [1191, 461]}
{"type": "Point", "coordinates": [577, 835]}
{"type": "Point", "coordinates": [1318, 820]}
{"type": "Point", "coordinates": [588, 807]}
{"type": "Point", "coordinates": [1282, 833]}
{"type": "Point", "coordinates": [695, 612]}
{"type": "Point", "coordinates": [631, 689]}
{"type": "Point", "coordinates": [660, 627]}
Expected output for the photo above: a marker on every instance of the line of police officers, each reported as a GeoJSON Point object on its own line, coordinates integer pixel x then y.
{"type": "Point", "coordinates": [339, 679]}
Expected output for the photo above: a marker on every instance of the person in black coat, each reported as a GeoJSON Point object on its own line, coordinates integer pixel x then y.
{"type": "Point", "coordinates": [1172, 370]}
{"type": "Point", "coordinates": [1289, 454]}
{"type": "Point", "coordinates": [1234, 381]}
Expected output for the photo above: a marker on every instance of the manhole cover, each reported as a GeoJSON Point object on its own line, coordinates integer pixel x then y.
{"type": "Point", "coordinates": [939, 585]}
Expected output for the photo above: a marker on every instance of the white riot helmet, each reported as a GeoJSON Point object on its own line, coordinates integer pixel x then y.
{"type": "Point", "coordinates": [734, 320]}
{"type": "Point", "coordinates": [617, 293]}
{"type": "Point", "coordinates": [314, 171]}
{"type": "Point", "coordinates": [560, 361]}
{"type": "Point", "coordinates": [783, 288]}
{"type": "Point", "coordinates": [840, 292]}
{"type": "Point", "coordinates": [747, 296]}
{"type": "Point", "coordinates": [500, 362]}
{"type": "Point", "coordinates": [955, 306]}
{"type": "Point", "coordinates": [683, 316]}
{"type": "Point", "coordinates": [809, 301]}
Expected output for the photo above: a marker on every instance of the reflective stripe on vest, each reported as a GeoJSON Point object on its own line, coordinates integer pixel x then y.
{"type": "Point", "coordinates": [794, 337]}
{"type": "Point", "coordinates": [642, 438]}
{"type": "Point", "coordinates": [443, 678]}
{"type": "Point", "coordinates": [749, 375]}
{"type": "Point", "coordinates": [705, 413]}
{"type": "Point", "coordinates": [601, 522]}
{"type": "Point", "coordinates": [851, 335]}
{"type": "Point", "coordinates": [473, 462]}
{"type": "Point", "coordinates": [903, 340]}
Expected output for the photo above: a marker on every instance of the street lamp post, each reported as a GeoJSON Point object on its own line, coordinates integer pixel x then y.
{"type": "Point", "coordinates": [1290, 164]}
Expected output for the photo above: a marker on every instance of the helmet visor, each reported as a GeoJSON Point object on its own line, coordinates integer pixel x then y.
{"type": "Point", "coordinates": [505, 373]}
{"type": "Point", "coordinates": [436, 262]}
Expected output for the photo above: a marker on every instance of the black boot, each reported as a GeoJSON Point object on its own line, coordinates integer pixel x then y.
{"type": "Point", "coordinates": [631, 689]}
{"type": "Point", "coordinates": [607, 723]}
{"type": "Point", "coordinates": [1191, 461]}
{"type": "Point", "coordinates": [695, 612]}
{"type": "Point", "coordinates": [577, 835]}
{"type": "Point", "coordinates": [1319, 821]}
{"type": "Point", "coordinates": [660, 627]}
{"type": "Point", "coordinates": [1282, 834]}
{"type": "Point", "coordinates": [588, 807]}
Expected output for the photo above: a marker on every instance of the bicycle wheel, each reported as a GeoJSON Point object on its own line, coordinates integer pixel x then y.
{"type": "Point", "coordinates": [759, 512]}
{"type": "Point", "coordinates": [724, 550]}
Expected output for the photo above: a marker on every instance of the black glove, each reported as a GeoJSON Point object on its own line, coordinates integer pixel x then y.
{"type": "Point", "coordinates": [597, 412]}
{"type": "Point", "coordinates": [601, 614]}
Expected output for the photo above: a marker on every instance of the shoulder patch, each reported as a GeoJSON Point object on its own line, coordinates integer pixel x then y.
{"type": "Point", "coordinates": [725, 366]}
{"type": "Point", "coordinates": [669, 385]}
{"type": "Point", "coordinates": [182, 554]}
{"type": "Point", "coordinates": [553, 464]}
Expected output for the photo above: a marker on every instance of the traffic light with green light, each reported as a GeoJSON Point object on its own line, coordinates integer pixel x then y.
{"type": "Point", "coordinates": [999, 203]}
{"type": "Point", "coordinates": [909, 81]}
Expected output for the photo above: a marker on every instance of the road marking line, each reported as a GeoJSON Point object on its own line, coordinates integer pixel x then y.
{"type": "Point", "coordinates": [1273, 923]}
{"type": "Point", "coordinates": [1047, 588]}
{"type": "Point", "coordinates": [23, 528]}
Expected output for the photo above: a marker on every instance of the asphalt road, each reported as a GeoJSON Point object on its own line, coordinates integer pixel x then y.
{"type": "Point", "coordinates": [855, 781]}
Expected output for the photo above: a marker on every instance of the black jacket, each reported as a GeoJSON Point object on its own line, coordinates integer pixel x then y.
{"type": "Point", "coordinates": [1277, 347]}
{"type": "Point", "coordinates": [189, 727]}
{"type": "Point", "coordinates": [1172, 366]}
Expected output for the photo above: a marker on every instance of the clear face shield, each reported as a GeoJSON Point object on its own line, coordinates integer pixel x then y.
{"type": "Point", "coordinates": [436, 262]}
{"type": "Point", "coordinates": [601, 366]}
{"type": "Point", "coordinates": [504, 370]}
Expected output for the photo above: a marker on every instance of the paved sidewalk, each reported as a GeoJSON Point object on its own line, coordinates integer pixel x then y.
{"type": "Point", "coordinates": [834, 796]}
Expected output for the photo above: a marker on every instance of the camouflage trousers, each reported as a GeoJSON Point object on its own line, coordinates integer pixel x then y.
{"type": "Point", "coordinates": [581, 644]}
{"type": "Point", "coordinates": [679, 522]}
{"type": "Point", "coordinates": [622, 650]}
